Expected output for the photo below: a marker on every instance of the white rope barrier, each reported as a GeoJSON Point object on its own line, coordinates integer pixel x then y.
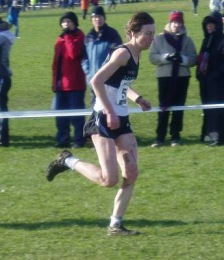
{"type": "Point", "coordinates": [86, 112]}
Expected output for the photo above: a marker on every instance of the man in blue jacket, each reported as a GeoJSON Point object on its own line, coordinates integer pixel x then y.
{"type": "Point", "coordinates": [99, 41]}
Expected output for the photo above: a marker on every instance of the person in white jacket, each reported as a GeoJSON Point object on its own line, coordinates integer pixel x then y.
{"type": "Point", "coordinates": [173, 52]}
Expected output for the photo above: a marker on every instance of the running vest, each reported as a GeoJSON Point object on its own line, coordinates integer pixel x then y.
{"type": "Point", "coordinates": [117, 85]}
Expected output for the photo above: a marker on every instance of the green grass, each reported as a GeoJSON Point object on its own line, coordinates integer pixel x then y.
{"type": "Point", "coordinates": [178, 200]}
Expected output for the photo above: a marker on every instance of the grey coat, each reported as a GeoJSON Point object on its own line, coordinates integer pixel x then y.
{"type": "Point", "coordinates": [160, 49]}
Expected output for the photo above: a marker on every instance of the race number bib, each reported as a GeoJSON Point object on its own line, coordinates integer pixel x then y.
{"type": "Point", "coordinates": [122, 93]}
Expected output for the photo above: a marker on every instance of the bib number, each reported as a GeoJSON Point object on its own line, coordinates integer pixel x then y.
{"type": "Point", "coordinates": [122, 93]}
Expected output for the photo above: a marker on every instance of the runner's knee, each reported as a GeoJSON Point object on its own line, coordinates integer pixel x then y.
{"type": "Point", "coordinates": [130, 180]}
{"type": "Point", "coordinates": [130, 168]}
{"type": "Point", "coordinates": [111, 181]}
{"type": "Point", "coordinates": [131, 177]}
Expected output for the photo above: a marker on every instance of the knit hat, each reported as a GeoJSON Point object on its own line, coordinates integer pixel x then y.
{"type": "Point", "coordinates": [4, 25]}
{"type": "Point", "coordinates": [71, 16]}
{"type": "Point", "coordinates": [176, 16]}
{"type": "Point", "coordinates": [98, 10]}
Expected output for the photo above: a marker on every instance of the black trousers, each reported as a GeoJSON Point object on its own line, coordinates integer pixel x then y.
{"type": "Point", "coordinates": [4, 123]}
{"type": "Point", "coordinates": [211, 92]}
{"type": "Point", "coordinates": [172, 96]}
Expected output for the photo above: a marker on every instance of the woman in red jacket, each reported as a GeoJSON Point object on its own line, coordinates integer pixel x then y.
{"type": "Point", "coordinates": [69, 80]}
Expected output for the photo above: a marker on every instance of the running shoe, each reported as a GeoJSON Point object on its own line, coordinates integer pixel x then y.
{"type": "Point", "coordinates": [120, 230]}
{"type": "Point", "coordinates": [58, 165]}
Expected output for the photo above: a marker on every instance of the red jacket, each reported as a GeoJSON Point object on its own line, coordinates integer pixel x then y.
{"type": "Point", "coordinates": [67, 70]}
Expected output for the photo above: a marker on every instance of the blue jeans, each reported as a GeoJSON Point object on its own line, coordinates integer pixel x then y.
{"type": "Point", "coordinates": [16, 24]}
{"type": "Point", "coordinates": [70, 100]}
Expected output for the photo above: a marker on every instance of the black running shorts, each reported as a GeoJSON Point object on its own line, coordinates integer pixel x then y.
{"type": "Point", "coordinates": [97, 124]}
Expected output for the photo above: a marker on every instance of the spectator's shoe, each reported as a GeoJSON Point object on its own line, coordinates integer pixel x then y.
{"type": "Point", "coordinates": [175, 143]}
{"type": "Point", "coordinates": [4, 144]}
{"type": "Point", "coordinates": [77, 146]}
{"type": "Point", "coordinates": [157, 144]}
{"type": "Point", "coordinates": [58, 165]}
{"type": "Point", "coordinates": [62, 145]}
{"type": "Point", "coordinates": [207, 139]}
{"type": "Point", "coordinates": [120, 230]}
{"type": "Point", "coordinates": [213, 143]}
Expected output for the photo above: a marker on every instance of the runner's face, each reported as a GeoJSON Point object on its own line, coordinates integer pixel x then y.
{"type": "Point", "coordinates": [98, 21]}
{"type": "Point", "coordinates": [146, 36]}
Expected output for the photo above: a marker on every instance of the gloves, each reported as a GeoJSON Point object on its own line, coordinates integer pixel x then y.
{"type": "Point", "coordinates": [178, 57]}
{"type": "Point", "coordinates": [175, 56]}
{"type": "Point", "coordinates": [171, 56]}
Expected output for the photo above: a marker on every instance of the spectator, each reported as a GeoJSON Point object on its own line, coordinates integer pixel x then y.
{"type": "Point", "coordinates": [95, 2]}
{"type": "Point", "coordinates": [109, 124]}
{"type": "Point", "coordinates": [52, 3]}
{"type": "Point", "coordinates": [25, 5]}
{"type": "Point", "coordinates": [107, 3]}
{"type": "Point", "coordinates": [173, 52]}
{"type": "Point", "coordinates": [112, 5]}
{"type": "Point", "coordinates": [84, 7]}
{"type": "Point", "coordinates": [2, 4]}
{"type": "Point", "coordinates": [210, 71]}
{"type": "Point", "coordinates": [40, 2]}
{"type": "Point", "coordinates": [71, 4]}
{"type": "Point", "coordinates": [195, 6]}
{"type": "Point", "coordinates": [13, 17]}
{"type": "Point", "coordinates": [6, 41]}
{"type": "Point", "coordinates": [9, 3]}
{"type": "Point", "coordinates": [65, 3]}
{"type": "Point", "coordinates": [100, 40]}
{"type": "Point", "coordinates": [33, 4]}
{"type": "Point", "coordinates": [69, 79]}
{"type": "Point", "coordinates": [216, 5]}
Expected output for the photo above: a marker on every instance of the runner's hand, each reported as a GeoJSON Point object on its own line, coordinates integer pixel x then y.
{"type": "Point", "coordinates": [113, 121]}
{"type": "Point", "coordinates": [144, 104]}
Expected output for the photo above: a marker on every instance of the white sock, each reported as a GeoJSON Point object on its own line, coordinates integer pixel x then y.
{"type": "Point", "coordinates": [70, 162]}
{"type": "Point", "coordinates": [115, 221]}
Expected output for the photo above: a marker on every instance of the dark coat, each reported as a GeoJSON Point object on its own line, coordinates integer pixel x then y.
{"type": "Point", "coordinates": [210, 73]}
{"type": "Point", "coordinates": [210, 67]}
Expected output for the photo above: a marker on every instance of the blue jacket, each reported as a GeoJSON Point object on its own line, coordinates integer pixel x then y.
{"type": "Point", "coordinates": [97, 47]}
{"type": "Point", "coordinates": [13, 15]}
{"type": "Point", "coordinates": [6, 41]}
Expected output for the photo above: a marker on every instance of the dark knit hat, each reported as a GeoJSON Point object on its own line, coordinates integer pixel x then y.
{"type": "Point", "coordinates": [176, 16]}
{"type": "Point", "coordinates": [4, 26]}
{"type": "Point", "coordinates": [70, 15]}
{"type": "Point", "coordinates": [98, 10]}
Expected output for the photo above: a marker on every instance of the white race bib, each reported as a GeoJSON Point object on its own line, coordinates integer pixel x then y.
{"type": "Point", "coordinates": [122, 93]}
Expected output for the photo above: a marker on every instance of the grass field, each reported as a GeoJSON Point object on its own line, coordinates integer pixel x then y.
{"type": "Point", "coordinates": [178, 200]}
